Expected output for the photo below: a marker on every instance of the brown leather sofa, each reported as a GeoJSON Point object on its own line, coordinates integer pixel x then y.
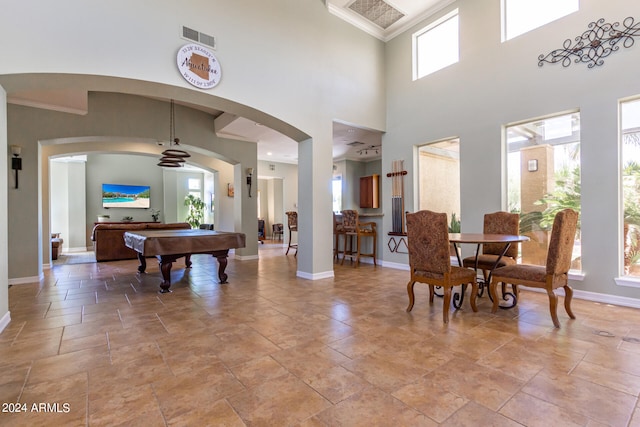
{"type": "Point", "coordinates": [108, 239]}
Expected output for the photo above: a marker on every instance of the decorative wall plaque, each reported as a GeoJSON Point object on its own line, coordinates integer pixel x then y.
{"type": "Point", "coordinates": [595, 44]}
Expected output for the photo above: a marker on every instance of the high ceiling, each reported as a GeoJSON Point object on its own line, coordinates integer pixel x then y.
{"type": "Point", "coordinates": [349, 142]}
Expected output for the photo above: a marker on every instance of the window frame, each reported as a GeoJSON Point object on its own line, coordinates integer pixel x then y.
{"type": "Point", "coordinates": [532, 3]}
{"type": "Point", "coordinates": [415, 45]}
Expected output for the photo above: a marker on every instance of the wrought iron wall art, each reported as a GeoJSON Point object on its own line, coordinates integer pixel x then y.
{"type": "Point", "coordinates": [595, 44]}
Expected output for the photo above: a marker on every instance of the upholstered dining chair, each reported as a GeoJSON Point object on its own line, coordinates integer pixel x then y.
{"type": "Point", "coordinates": [490, 259]}
{"type": "Point", "coordinates": [429, 260]}
{"type": "Point", "coordinates": [354, 228]}
{"type": "Point", "coordinates": [338, 230]}
{"type": "Point", "coordinates": [292, 222]}
{"type": "Point", "coordinates": [553, 275]}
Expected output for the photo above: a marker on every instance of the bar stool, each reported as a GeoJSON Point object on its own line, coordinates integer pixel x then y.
{"type": "Point", "coordinates": [292, 222]}
{"type": "Point", "coordinates": [354, 228]}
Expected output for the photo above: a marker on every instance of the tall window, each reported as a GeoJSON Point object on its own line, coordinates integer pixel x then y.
{"type": "Point", "coordinates": [439, 179]}
{"type": "Point", "coordinates": [543, 177]}
{"type": "Point", "coordinates": [436, 46]}
{"type": "Point", "coordinates": [630, 120]}
{"type": "Point", "coordinates": [521, 16]}
{"type": "Point", "coordinates": [336, 186]}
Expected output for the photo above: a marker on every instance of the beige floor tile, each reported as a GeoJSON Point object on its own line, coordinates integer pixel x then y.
{"type": "Point", "coordinates": [214, 414]}
{"type": "Point", "coordinates": [178, 395]}
{"type": "Point", "coordinates": [429, 398]}
{"type": "Point", "coordinates": [373, 407]}
{"type": "Point", "coordinates": [526, 409]}
{"type": "Point", "coordinates": [473, 415]}
{"type": "Point", "coordinates": [283, 401]}
{"type": "Point", "coordinates": [583, 397]}
{"type": "Point", "coordinates": [259, 371]}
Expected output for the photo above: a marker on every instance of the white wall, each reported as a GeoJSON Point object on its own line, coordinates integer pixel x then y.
{"type": "Point", "coordinates": [68, 204]}
{"type": "Point", "coordinates": [495, 84]}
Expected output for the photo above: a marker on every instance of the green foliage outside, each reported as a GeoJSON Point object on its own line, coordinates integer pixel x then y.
{"type": "Point", "coordinates": [567, 195]}
{"type": "Point", "coordinates": [454, 224]}
{"type": "Point", "coordinates": [195, 217]}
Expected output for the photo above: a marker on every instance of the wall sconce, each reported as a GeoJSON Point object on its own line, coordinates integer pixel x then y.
{"type": "Point", "coordinates": [249, 176]}
{"type": "Point", "coordinates": [16, 161]}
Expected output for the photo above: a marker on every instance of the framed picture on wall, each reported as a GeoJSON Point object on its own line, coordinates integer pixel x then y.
{"type": "Point", "coordinates": [230, 191]}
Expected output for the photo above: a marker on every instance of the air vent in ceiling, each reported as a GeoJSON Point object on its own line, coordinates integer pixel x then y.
{"type": "Point", "coordinates": [197, 36]}
{"type": "Point", "coordinates": [355, 143]}
{"type": "Point", "coordinates": [377, 11]}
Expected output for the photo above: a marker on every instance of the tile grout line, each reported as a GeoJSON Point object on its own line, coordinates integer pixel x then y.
{"type": "Point", "coordinates": [24, 384]}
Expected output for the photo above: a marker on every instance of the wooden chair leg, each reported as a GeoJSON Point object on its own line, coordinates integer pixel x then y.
{"type": "Point", "coordinates": [411, 295]}
{"type": "Point", "coordinates": [474, 295]}
{"type": "Point", "coordinates": [568, 296]}
{"type": "Point", "coordinates": [446, 303]}
{"type": "Point", "coordinates": [374, 249]}
{"type": "Point", "coordinates": [494, 294]}
{"type": "Point", "coordinates": [553, 307]}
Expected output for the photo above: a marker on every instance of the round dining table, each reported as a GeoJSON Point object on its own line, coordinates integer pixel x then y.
{"type": "Point", "coordinates": [479, 239]}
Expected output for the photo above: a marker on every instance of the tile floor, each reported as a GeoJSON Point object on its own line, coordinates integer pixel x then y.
{"type": "Point", "coordinates": [270, 349]}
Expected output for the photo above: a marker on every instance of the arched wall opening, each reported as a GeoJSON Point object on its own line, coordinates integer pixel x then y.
{"type": "Point", "coordinates": [115, 123]}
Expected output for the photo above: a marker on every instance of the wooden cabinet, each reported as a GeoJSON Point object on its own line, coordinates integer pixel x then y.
{"type": "Point", "coordinates": [370, 191]}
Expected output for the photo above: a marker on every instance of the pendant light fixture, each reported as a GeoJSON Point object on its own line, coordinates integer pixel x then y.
{"type": "Point", "coordinates": [173, 157]}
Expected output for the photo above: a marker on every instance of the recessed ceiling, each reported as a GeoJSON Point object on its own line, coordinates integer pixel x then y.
{"type": "Point", "coordinates": [385, 19]}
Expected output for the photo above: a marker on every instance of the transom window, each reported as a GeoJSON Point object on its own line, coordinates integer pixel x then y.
{"type": "Point", "coordinates": [436, 46]}
{"type": "Point", "coordinates": [521, 16]}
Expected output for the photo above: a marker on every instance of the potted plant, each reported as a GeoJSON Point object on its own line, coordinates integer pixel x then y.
{"type": "Point", "coordinates": [155, 214]}
{"type": "Point", "coordinates": [103, 218]}
{"type": "Point", "coordinates": [195, 217]}
{"type": "Point", "coordinates": [127, 218]}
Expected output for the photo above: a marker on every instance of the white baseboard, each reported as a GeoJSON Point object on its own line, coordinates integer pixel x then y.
{"type": "Point", "coordinates": [77, 249]}
{"type": "Point", "coordinates": [4, 322]}
{"type": "Point", "coordinates": [315, 276]}
{"type": "Point", "coordinates": [25, 280]}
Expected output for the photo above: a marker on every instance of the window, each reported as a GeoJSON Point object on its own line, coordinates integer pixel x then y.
{"type": "Point", "coordinates": [543, 177]}
{"type": "Point", "coordinates": [521, 16]}
{"type": "Point", "coordinates": [436, 46]}
{"type": "Point", "coordinates": [439, 179]}
{"type": "Point", "coordinates": [630, 121]}
{"type": "Point", "coordinates": [194, 183]}
{"type": "Point", "coordinates": [336, 186]}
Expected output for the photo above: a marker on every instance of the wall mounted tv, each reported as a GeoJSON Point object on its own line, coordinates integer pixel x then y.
{"type": "Point", "coordinates": [125, 196]}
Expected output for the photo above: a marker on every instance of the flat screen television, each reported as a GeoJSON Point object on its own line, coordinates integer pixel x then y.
{"type": "Point", "coordinates": [125, 196]}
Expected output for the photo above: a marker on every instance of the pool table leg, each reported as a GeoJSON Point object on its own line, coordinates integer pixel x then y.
{"type": "Point", "coordinates": [221, 256]}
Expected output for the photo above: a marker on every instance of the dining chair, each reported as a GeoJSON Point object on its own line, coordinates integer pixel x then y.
{"type": "Point", "coordinates": [292, 222]}
{"type": "Point", "coordinates": [354, 228]}
{"type": "Point", "coordinates": [338, 230]}
{"type": "Point", "coordinates": [276, 231]}
{"type": "Point", "coordinates": [429, 260]}
{"type": "Point", "coordinates": [553, 275]}
{"type": "Point", "coordinates": [492, 255]}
